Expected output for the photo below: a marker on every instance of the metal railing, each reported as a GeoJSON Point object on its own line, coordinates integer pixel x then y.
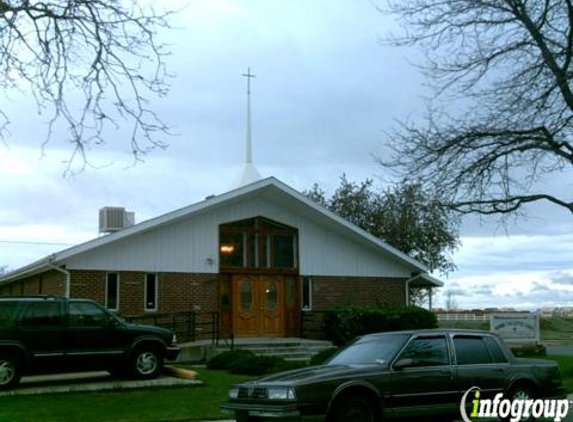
{"type": "Point", "coordinates": [188, 325]}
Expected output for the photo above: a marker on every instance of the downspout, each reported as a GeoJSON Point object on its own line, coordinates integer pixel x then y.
{"type": "Point", "coordinates": [408, 288]}
{"type": "Point", "coordinates": [65, 272]}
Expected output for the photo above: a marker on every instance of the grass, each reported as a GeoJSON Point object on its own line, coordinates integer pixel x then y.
{"type": "Point", "coordinates": [161, 404]}
{"type": "Point", "coordinates": [557, 329]}
{"type": "Point", "coordinates": [566, 368]}
{"type": "Point", "coordinates": [153, 405]}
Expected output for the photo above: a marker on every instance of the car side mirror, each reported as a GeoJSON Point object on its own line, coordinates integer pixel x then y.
{"type": "Point", "coordinates": [403, 363]}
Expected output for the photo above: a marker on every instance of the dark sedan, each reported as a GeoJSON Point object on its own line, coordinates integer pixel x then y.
{"type": "Point", "coordinates": [399, 375]}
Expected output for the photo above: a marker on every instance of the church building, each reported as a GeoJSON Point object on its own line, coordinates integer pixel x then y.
{"type": "Point", "coordinates": [258, 256]}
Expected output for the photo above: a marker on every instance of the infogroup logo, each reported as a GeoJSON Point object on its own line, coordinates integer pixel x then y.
{"type": "Point", "coordinates": [516, 410]}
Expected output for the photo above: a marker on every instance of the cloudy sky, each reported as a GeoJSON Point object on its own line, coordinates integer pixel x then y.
{"type": "Point", "coordinates": [325, 92]}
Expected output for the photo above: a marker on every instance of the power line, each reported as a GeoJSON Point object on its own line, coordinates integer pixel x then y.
{"type": "Point", "coordinates": [22, 242]}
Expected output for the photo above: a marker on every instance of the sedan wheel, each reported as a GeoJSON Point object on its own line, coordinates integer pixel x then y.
{"type": "Point", "coordinates": [354, 409]}
{"type": "Point", "coordinates": [521, 393]}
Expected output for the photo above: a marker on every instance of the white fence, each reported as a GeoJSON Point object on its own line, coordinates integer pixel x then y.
{"type": "Point", "coordinates": [463, 317]}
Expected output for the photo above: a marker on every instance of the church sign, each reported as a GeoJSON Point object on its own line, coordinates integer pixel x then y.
{"type": "Point", "coordinates": [516, 328]}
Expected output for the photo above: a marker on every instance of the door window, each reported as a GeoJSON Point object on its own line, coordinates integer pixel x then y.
{"type": "Point", "coordinates": [85, 314]}
{"type": "Point", "coordinates": [471, 351]}
{"type": "Point", "coordinates": [290, 291]}
{"type": "Point", "coordinates": [42, 314]}
{"type": "Point", "coordinates": [427, 351]}
{"type": "Point", "coordinates": [272, 296]}
{"type": "Point", "coordinates": [246, 295]}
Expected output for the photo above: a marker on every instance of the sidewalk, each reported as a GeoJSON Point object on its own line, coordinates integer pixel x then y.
{"type": "Point", "coordinates": [89, 381]}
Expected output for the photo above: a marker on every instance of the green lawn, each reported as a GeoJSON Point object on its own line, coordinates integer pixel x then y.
{"type": "Point", "coordinates": [151, 405]}
{"type": "Point", "coordinates": [557, 329]}
{"type": "Point", "coordinates": [162, 404]}
{"type": "Point", "coordinates": [566, 368]}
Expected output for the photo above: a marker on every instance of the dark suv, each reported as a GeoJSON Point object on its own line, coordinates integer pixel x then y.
{"type": "Point", "coordinates": [45, 334]}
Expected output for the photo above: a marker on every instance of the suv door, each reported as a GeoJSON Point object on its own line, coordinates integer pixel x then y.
{"type": "Point", "coordinates": [427, 386]}
{"type": "Point", "coordinates": [94, 338]}
{"type": "Point", "coordinates": [41, 328]}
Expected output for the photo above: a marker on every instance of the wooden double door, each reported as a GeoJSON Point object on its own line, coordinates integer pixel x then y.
{"type": "Point", "coordinates": [265, 305]}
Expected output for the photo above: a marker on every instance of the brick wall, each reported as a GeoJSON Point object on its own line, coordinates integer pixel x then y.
{"type": "Point", "coordinates": [47, 283]}
{"type": "Point", "coordinates": [176, 291]}
{"type": "Point", "coordinates": [329, 291]}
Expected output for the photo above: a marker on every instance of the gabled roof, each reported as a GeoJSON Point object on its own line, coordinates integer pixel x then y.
{"type": "Point", "coordinates": [269, 187]}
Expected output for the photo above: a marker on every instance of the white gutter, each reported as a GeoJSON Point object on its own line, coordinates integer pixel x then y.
{"type": "Point", "coordinates": [66, 273]}
{"type": "Point", "coordinates": [429, 279]}
{"type": "Point", "coordinates": [408, 288]}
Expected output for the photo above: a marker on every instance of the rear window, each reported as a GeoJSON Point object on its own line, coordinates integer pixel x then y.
{"type": "Point", "coordinates": [6, 310]}
{"type": "Point", "coordinates": [42, 314]}
{"type": "Point", "coordinates": [471, 350]}
{"type": "Point", "coordinates": [494, 350]}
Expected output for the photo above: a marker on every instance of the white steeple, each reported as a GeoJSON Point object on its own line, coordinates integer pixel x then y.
{"type": "Point", "coordinates": [249, 173]}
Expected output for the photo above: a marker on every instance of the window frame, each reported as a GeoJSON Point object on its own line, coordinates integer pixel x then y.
{"type": "Point", "coordinates": [156, 292]}
{"type": "Point", "coordinates": [117, 291]}
{"type": "Point", "coordinates": [485, 347]}
{"type": "Point", "coordinates": [258, 245]}
{"type": "Point", "coordinates": [426, 337]}
{"type": "Point", "coordinates": [308, 307]}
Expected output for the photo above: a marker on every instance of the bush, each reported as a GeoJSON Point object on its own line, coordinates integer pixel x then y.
{"type": "Point", "coordinates": [246, 362]}
{"type": "Point", "coordinates": [529, 350]}
{"type": "Point", "coordinates": [323, 356]}
{"type": "Point", "coordinates": [255, 365]}
{"type": "Point", "coordinates": [226, 359]}
{"type": "Point", "coordinates": [342, 324]}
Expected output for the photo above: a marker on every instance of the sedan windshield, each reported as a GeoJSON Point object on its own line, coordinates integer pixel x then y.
{"type": "Point", "coordinates": [369, 350]}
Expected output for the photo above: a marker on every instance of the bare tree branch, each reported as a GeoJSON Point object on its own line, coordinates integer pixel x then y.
{"type": "Point", "coordinates": [501, 117]}
{"type": "Point", "coordinates": [90, 65]}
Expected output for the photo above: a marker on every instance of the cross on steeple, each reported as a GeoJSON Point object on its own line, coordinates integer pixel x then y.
{"type": "Point", "coordinates": [249, 75]}
{"type": "Point", "coordinates": [249, 174]}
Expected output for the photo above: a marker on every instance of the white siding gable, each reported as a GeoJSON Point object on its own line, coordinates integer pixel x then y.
{"type": "Point", "coordinates": [191, 244]}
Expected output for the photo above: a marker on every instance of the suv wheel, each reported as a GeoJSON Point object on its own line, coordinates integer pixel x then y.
{"type": "Point", "coordinates": [9, 372]}
{"type": "Point", "coordinates": [146, 363]}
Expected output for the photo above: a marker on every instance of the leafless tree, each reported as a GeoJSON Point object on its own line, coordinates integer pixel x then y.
{"type": "Point", "coordinates": [89, 64]}
{"type": "Point", "coordinates": [500, 120]}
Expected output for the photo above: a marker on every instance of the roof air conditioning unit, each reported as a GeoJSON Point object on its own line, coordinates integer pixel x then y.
{"type": "Point", "coordinates": [113, 219]}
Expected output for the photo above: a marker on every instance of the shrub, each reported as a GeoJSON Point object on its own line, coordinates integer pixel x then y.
{"type": "Point", "coordinates": [344, 323]}
{"type": "Point", "coordinates": [323, 356]}
{"type": "Point", "coordinates": [226, 359]}
{"type": "Point", "coordinates": [245, 362]}
{"type": "Point", "coordinates": [529, 350]}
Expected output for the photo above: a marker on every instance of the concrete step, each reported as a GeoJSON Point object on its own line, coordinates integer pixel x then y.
{"type": "Point", "coordinates": [300, 350]}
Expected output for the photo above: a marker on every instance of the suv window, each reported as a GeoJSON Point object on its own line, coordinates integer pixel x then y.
{"type": "Point", "coordinates": [494, 350]}
{"type": "Point", "coordinates": [471, 351]}
{"type": "Point", "coordinates": [427, 351]}
{"type": "Point", "coordinates": [6, 310]}
{"type": "Point", "coordinates": [42, 314]}
{"type": "Point", "coordinates": [85, 314]}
